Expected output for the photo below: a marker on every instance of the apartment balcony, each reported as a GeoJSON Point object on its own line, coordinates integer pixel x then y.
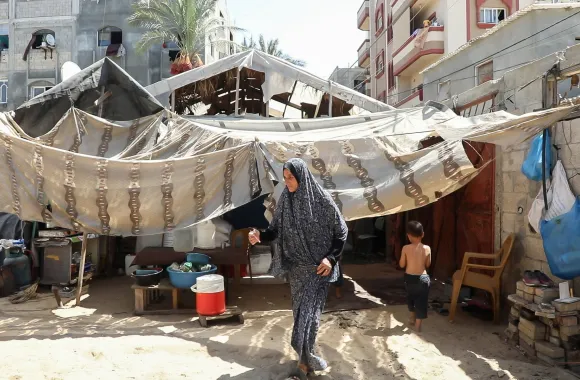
{"type": "Point", "coordinates": [364, 54]}
{"type": "Point", "coordinates": [363, 16]}
{"type": "Point", "coordinates": [411, 57]}
{"type": "Point", "coordinates": [412, 100]}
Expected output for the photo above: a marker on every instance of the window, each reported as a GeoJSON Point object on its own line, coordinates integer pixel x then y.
{"type": "Point", "coordinates": [37, 90]}
{"type": "Point", "coordinates": [3, 91]}
{"type": "Point", "coordinates": [43, 39]}
{"type": "Point", "coordinates": [389, 27]}
{"type": "Point", "coordinates": [110, 35]}
{"type": "Point", "coordinates": [4, 39]}
{"type": "Point", "coordinates": [484, 72]}
{"type": "Point", "coordinates": [491, 15]}
{"type": "Point", "coordinates": [379, 19]}
{"type": "Point", "coordinates": [391, 75]}
{"type": "Point", "coordinates": [380, 63]}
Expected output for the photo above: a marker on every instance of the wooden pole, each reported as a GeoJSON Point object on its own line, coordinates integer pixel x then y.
{"type": "Point", "coordinates": [101, 100]}
{"type": "Point", "coordinates": [81, 269]}
{"type": "Point", "coordinates": [329, 99]}
{"type": "Point", "coordinates": [237, 112]}
{"type": "Point", "coordinates": [289, 98]}
{"type": "Point", "coordinates": [173, 101]}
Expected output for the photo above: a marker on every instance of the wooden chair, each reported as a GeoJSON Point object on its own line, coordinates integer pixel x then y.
{"type": "Point", "coordinates": [240, 238]}
{"type": "Point", "coordinates": [491, 283]}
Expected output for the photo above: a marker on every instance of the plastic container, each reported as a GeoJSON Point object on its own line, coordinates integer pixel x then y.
{"type": "Point", "coordinates": [185, 280]}
{"type": "Point", "coordinates": [147, 277]}
{"type": "Point", "coordinates": [19, 266]}
{"type": "Point", "coordinates": [210, 295]}
{"type": "Point", "coordinates": [129, 269]}
{"type": "Point", "coordinates": [198, 258]}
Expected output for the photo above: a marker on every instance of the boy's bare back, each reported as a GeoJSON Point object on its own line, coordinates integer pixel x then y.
{"type": "Point", "coordinates": [415, 258]}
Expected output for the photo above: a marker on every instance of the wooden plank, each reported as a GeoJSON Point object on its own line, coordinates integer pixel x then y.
{"type": "Point", "coordinates": [175, 298]}
{"type": "Point", "coordinates": [139, 300]}
{"type": "Point", "coordinates": [82, 267]}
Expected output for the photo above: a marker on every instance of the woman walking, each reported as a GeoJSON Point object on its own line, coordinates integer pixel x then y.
{"type": "Point", "coordinates": [310, 233]}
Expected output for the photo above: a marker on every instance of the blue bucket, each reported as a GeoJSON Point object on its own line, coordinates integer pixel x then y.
{"type": "Point", "coordinates": [198, 258]}
{"type": "Point", "coordinates": [185, 280]}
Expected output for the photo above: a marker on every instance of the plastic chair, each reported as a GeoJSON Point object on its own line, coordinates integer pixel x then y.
{"type": "Point", "coordinates": [490, 283]}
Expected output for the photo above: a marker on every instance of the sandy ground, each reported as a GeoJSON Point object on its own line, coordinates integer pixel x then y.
{"type": "Point", "coordinates": [103, 340]}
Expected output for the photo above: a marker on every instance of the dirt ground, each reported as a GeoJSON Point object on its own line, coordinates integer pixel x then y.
{"type": "Point", "coordinates": [103, 340]}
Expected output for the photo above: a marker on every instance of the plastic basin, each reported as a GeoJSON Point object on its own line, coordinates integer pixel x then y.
{"type": "Point", "coordinates": [185, 280]}
{"type": "Point", "coordinates": [147, 277]}
{"type": "Point", "coordinates": [198, 258]}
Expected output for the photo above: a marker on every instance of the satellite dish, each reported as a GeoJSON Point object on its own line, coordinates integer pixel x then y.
{"type": "Point", "coordinates": [50, 40]}
{"type": "Point", "coordinates": [69, 69]}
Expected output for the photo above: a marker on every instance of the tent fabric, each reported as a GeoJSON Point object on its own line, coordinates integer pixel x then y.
{"type": "Point", "coordinates": [196, 172]}
{"type": "Point", "coordinates": [140, 169]}
{"type": "Point", "coordinates": [128, 100]}
{"type": "Point", "coordinates": [280, 78]}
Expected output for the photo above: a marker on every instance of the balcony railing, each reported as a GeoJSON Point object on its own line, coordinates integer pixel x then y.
{"type": "Point", "coordinates": [364, 54]}
{"type": "Point", "coordinates": [363, 16]}
{"type": "Point", "coordinates": [412, 100]}
{"type": "Point", "coordinates": [414, 56]}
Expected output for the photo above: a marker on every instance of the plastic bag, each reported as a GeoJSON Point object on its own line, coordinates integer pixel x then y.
{"type": "Point", "coordinates": [532, 166]}
{"type": "Point", "coordinates": [560, 199]}
{"type": "Point", "coordinates": [561, 239]}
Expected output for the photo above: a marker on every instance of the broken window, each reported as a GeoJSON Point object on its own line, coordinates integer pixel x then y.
{"type": "Point", "coordinates": [37, 90]}
{"type": "Point", "coordinates": [44, 39]}
{"type": "Point", "coordinates": [110, 35]}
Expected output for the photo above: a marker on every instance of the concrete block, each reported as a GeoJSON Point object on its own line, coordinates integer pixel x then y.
{"type": "Point", "coordinates": [514, 312]}
{"type": "Point", "coordinates": [548, 360]}
{"type": "Point", "coordinates": [572, 355]}
{"type": "Point", "coordinates": [520, 285]}
{"type": "Point", "coordinates": [568, 321]}
{"type": "Point", "coordinates": [550, 350]}
{"type": "Point", "coordinates": [529, 297]}
{"type": "Point", "coordinates": [570, 330]}
{"type": "Point", "coordinates": [508, 183]}
{"type": "Point", "coordinates": [529, 341]}
{"type": "Point", "coordinates": [534, 249]}
{"type": "Point", "coordinates": [563, 307]}
{"type": "Point", "coordinates": [521, 183]}
{"type": "Point", "coordinates": [555, 332]}
{"type": "Point", "coordinates": [513, 328]}
{"type": "Point", "coordinates": [529, 350]}
{"type": "Point", "coordinates": [533, 329]}
{"type": "Point", "coordinates": [520, 293]}
{"type": "Point", "coordinates": [555, 341]}
{"type": "Point", "coordinates": [530, 264]}
{"type": "Point", "coordinates": [548, 292]}
{"type": "Point", "coordinates": [511, 202]}
{"type": "Point", "coordinates": [509, 222]}
{"type": "Point", "coordinates": [512, 161]}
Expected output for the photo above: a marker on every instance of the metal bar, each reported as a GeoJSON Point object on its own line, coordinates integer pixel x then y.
{"type": "Point", "coordinates": [81, 269]}
{"type": "Point", "coordinates": [237, 111]}
{"type": "Point", "coordinates": [289, 99]}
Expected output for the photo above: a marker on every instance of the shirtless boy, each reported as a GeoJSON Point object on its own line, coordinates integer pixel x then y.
{"type": "Point", "coordinates": [416, 258]}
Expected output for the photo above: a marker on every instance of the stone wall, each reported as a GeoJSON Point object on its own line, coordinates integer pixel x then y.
{"type": "Point", "coordinates": [517, 194]}
{"type": "Point", "coordinates": [43, 8]}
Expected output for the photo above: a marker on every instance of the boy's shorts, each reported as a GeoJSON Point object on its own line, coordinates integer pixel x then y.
{"type": "Point", "coordinates": [418, 294]}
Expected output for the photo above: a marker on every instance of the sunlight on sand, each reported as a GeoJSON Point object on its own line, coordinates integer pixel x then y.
{"type": "Point", "coordinates": [493, 364]}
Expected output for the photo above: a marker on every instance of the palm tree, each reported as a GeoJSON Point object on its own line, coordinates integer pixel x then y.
{"type": "Point", "coordinates": [272, 48]}
{"type": "Point", "coordinates": [184, 22]}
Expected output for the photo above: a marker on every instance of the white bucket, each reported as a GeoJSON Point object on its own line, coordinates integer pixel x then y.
{"type": "Point", "coordinates": [128, 267]}
{"type": "Point", "coordinates": [210, 283]}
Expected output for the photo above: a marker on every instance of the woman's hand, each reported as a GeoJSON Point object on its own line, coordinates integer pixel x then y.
{"type": "Point", "coordinates": [324, 268]}
{"type": "Point", "coordinates": [254, 237]}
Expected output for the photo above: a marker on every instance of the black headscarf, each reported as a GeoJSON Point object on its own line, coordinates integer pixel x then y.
{"type": "Point", "coordinates": [307, 222]}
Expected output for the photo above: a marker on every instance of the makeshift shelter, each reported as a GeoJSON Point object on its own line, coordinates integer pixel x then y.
{"type": "Point", "coordinates": [262, 78]}
{"type": "Point", "coordinates": [371, 165]}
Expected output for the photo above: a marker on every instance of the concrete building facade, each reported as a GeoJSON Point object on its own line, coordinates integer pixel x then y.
{"type": "Point", "coordinates": [352, 77]}
{"type": "Point", "coordinates": [83, 31]}
{"type": "Point", "coordinates": [532, 33]}
{"type": "Point", "coordinates": [399, 45]}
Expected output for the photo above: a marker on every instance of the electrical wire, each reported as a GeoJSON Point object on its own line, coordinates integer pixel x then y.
{"type": "Point", "coordinates": [500, 55]}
